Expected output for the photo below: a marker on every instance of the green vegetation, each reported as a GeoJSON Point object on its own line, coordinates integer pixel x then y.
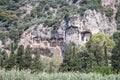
{"type": "Point", "coordinates": [99, 46]}
{"type": "Point", "coordinates": [102, 69]}
{"type": "Point", "coordinates": [91, 4]}
{"type": "Point", "coordinates": [28, 59]}
{"type": "Point", "coordinates": [116, 52]}
{"type": "Point", "coordinates": [108, 12]}
{"type": "Point", "coordinates": [75, 60]}
{"type": "Point", "coordinates": [118, 18]}
{"type": "Point", "coordinates": [9, 16]}
{"type": "Point", "coordinates": [49, 12]}
{"type": "Point", "coordinates": [25, 75]}
{"type": "Point", "coordinates": [22, 59]}
{"type": "Point", "coordinates": [71, 60]}
{"type": "Point", "coordinates": [94, 56]}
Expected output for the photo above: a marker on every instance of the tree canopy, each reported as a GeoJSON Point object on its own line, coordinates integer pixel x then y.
{"type": "Point", "coordinates": [99, 46]}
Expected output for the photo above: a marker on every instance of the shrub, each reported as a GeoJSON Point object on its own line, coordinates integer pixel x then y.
{"type": "Point", "coordinates": [34, 12]}
{"type": "Point", "coordinates": [8, 15]}
{"type": "Point", "coordinates": [52, 64]}
{"type": "Point", "coordinates": [102, 70]}
{"type": "Point", "coordinates": [26, 75]}
{"type": "Point", "coordinates": [118, 18]}
{"type": "Point", "coordinates": [108, 12]}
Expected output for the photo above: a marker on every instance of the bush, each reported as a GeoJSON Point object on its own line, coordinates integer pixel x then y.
{"type": "Point", "coordinates": [8, 15]}
{"type": "Point", "coordinates": [52, 64]}
{"type": "Point", "coordinates": [34, 12]}
{"type": "Point", "coordinates": [102, 70]}
{"type": "Point", "coordinates": [26, 75]}
{"type": "Point", "coordinates": [91, 4]}
{"type": "Point", "coordinates": [108, 12]}
{"type": "Point", "coordinates": [118, 18]}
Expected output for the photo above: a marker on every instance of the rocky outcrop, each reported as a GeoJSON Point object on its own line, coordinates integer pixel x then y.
{"type": "Point", "coordinates": [6, 45]}
{"type": "Point", "coordinates": [77, 29]}
{"type": "Point", "coordinates": [96, 22]}
{"type": "Point", "coordinates": [41, 37]}
{"type": "Point", "coordinates": [109, 3]}
{"type": "Point", "coordinates": [27, 9]}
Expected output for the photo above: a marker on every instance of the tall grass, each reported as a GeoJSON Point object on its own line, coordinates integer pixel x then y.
{"type": "Point", "coordinates": [26, 75]}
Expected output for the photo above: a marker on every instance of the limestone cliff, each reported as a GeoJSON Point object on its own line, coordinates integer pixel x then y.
{"type": "Point", "coordinates": [77, 29]}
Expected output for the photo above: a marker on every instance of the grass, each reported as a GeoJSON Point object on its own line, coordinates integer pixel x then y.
{"type": "Point", "coordinates": [26, 75]}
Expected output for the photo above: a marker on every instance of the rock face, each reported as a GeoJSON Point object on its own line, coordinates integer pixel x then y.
{"type": "Point", "coordinates": [96, 22]}
{"type": "Point", "coordinates": [109, 3]}
{"type": "Point", "coordinates": [5, 46]}
{"type": "Point", "coordinates": [77, 29]}
{"type": "Point", "coordinates": [27, 9]}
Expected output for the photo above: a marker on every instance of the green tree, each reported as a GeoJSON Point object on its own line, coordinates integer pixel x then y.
{"type": "Point", "coordinates": [27, 58]}
{"type": "Point", "coordinates": [108, 12]}
{"type": "Point", "coordinates": [10, 62]}
{"type": "Point", "coordinates": [3, 59]}
{"type": "Point", "coordinates": [36, 65]}
{"type": "Point", "coordinates": [84, 59]}
{"type": "Point", "coordinates": [9, 16]}
{"type": "Point", "coordinates": [14, 34]}
{"type": "Point", "coordinates": [116, 52]}
{"type": "Point", "coordinates": [34, 12]}
{"type": "Point", "coordinates": [99, 46]}
{"type": "Point", "coordinates": [19, 57]}
{"type": "Point", "coordinates": [118, 18]}
{"type": "Point", "coordinates": [71, 60]}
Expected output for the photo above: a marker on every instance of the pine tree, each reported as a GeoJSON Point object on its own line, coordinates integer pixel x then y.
{"type": "Point", "coordinates": [10, 62]}
{"type": "Point", "coordinates": [3, 59]}
{"type": "Point", "coordinates": [71, 60]}
{"type": "Point", "coordinates": [27, 58]}
{"type": "Point", "coordinates": [84, 60]}
{"type": "Point", "coordinates": [19, 57]}
{"type": "Point", "coordinates": [99, 46]}
{"type": "Point", "coordinates": [116, 52]}
{"type": "Point", "coordinates": [36, 65]}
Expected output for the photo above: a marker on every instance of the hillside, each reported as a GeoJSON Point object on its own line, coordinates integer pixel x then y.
{"type": "Point", "coordinates": [80, 36]}
{"type": "Point", "coordinates": [52, 25]}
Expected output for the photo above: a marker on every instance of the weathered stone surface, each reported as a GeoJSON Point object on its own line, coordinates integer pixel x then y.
{"type": "Point", "coordinates": [27, 9]}
{"type": "Point", "coordinates": [78, 29]}
{"type": "Point", "coordinates": [108, 3]}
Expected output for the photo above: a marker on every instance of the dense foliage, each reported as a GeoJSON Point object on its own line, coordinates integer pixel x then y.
{"type": "Point", "coordinates": [22, 59]}
{"type": "Point", "coordinates": [49, 12]}
{"type": "Point", "coordinates": [94, 56]}
{"type": "Point", "coordinates": [71, 60]}
{"type": "Point", "coordinates": [118, 18]}
{"type": "Point", "coordinates": [99, 46]}
{"type": "Point", "coordinates": [26, 75]}
{"type": "Point", "coordinates": [116, 52]}
{"type": "Point", "coordinates": [28, 59]}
